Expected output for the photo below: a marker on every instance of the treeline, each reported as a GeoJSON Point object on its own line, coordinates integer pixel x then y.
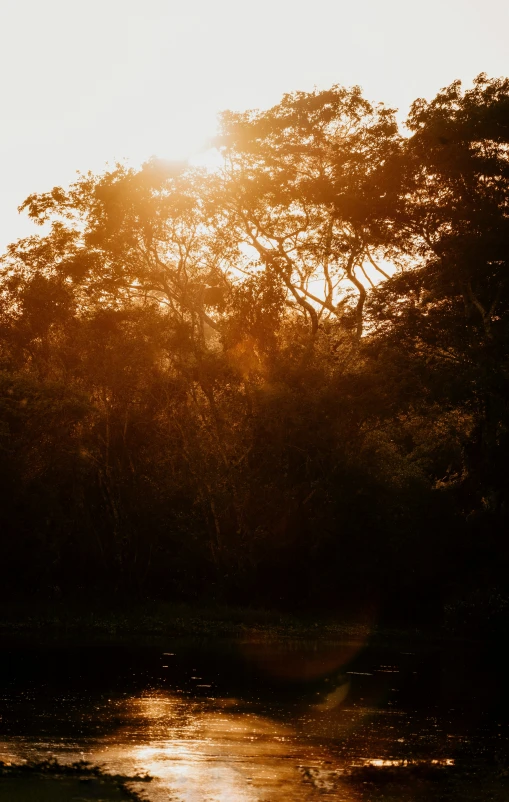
{"type": "Point", "coordinates": [283, 382]}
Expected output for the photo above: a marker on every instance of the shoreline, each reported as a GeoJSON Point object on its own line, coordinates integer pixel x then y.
{"type": "Point", "coordinates": [66, 621]}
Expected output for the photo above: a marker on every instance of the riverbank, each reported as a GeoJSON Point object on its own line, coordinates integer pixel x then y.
{"type": "Point", "coordinates": [60, 620]}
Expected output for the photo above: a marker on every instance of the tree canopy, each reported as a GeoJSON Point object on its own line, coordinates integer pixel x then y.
{"type": "Point", "coordinates": [282, 382]}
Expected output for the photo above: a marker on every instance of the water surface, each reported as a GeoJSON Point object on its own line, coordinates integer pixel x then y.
{"type": "Point", "coordinates": [250, 720]}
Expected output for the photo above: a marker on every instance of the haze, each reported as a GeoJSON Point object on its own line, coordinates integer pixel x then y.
{"type": "Point", "coordinates": [89, 83]}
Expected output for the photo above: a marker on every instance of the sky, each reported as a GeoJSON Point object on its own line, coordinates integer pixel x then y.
{"type": "Point", "coordinates": [86, 84]}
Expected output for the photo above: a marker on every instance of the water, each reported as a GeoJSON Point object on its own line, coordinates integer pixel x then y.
{"type": "Point", "coordinates": [255, 721]}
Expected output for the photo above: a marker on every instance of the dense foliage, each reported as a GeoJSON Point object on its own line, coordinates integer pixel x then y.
{"type": "Point", "coordinates": [285, 382]}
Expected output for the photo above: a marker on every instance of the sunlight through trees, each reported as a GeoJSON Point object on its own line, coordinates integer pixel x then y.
{"type": "Point", "coordinates": [282, 381]}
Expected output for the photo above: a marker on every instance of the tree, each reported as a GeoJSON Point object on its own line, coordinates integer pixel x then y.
{"type": "Point", "coordinates": [441, 329]}
{"type": "Point", "coordinates": [301, 188]}
{"type": "Point", "coordinates": [202, 394]}
{"type": "Point", "coordinates": [131, 234]}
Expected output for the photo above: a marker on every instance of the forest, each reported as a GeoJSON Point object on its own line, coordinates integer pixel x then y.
{"type": "Point", "coordinates": [281, 382]}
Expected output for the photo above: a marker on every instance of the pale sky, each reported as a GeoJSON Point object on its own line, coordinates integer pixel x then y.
{"type": "Point", "coordinates": [86, 83]}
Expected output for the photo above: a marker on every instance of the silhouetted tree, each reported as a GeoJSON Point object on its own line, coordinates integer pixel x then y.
{"type": "Point", "coordinates": [203, 392]}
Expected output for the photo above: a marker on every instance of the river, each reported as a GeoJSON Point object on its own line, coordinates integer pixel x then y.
{"type": "Point", "coordinates": [254, 720]}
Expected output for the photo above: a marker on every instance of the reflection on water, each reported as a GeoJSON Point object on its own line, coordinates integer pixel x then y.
{"type": "Point", "coordinates": [245, 721]}
{"type": "Point", "coordinates": [225, 755]}
{"type": "Point", "coordinates": [379, 762]}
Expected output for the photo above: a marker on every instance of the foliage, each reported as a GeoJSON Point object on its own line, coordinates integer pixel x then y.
{"type": "Point", "coordinates": [283, 383]}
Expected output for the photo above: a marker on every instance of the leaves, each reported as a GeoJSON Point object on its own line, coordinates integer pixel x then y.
{"type": "Point", "coordinates": [287, 379]}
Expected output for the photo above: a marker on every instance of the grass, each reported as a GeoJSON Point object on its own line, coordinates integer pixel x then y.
{"type": "Point", "coordinates": [127, 621]}
{"type": "Point", "coordinates": [62, 620]}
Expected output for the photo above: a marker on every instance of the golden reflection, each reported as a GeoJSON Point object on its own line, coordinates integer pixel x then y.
{"type": "Point", "coordinates": [225, 750]}
{"type": "Point", "coordinates": [379, 762]}
{"type": "Point", "coordinates": [213, 749]}
{"type": "Point", "coordinates": [220, 750]}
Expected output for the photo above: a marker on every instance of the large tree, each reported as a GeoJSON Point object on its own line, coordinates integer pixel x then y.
{"type": "Point", "coordinates": [302, 188]}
